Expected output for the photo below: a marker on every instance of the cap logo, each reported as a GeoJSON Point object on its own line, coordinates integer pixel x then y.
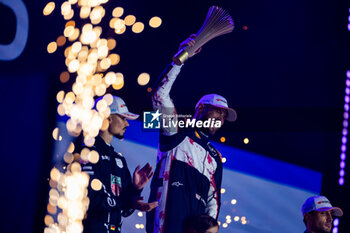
{"type": "Point", "coordinates": [221, 100]}
{"type": "Point", "coordinates": [121, 105]}
{"type": "Point", "coordinates": [320, 202]}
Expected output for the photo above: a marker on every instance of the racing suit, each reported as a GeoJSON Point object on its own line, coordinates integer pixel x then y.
{"type": "Point", "coordinates": [187, 179]}
{"type": "Point", "coordinates": [114, 199]}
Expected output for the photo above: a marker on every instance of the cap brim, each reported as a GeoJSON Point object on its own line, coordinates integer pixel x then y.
{"type": "Point", "coordinates": [129, 115]}
{"type": "Point", "coordinates": [231, 114]}
{"type": "Point", "coordinates": [336, 211]}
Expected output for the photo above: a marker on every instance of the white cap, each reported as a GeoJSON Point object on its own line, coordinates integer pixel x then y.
{"type": "Point", "coordinates": [118, 106]}
{"type": "Point", "coordinates": [320, 203]}
{"type": "Point", "coordinates": [220, 102]}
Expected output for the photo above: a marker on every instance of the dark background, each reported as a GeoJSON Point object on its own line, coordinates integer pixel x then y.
{"type": "Point", "coordinates": [285, 76]}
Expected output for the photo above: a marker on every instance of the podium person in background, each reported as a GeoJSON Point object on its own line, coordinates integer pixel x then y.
{"type": "Point", "coordinates": [318, 214]}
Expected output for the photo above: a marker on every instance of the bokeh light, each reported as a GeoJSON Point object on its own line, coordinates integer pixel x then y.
{"type": "Point", "coordinates": [118, 12]}
{"type": "Point", "coordinates": [143, 79]}
{"type": "Point", "coordinates": [60, 96]}
{"type": "Point", "coordinates": [52, 47]}
{"type": "Point", "coordinates": [93, 156]}
{"type": "Point", "coordinates": [246, 140]}
{"type": "Point", "coordinates": [68, 31]}
{"type": "Point", "coordinates": [138, 27]}
{"type": "Point", "coordinates": [55, 133]}
{"type": "Point", "coordinates": [115, 58]}
{"type": "Point", "coordinates": [61, 40]}
{"type": "Point", "coordinates": [48, 9]}
{"type": "Point", "coordinates": [87, 58]}
{"type": "Point", "coordinates": [70, 23]}
{"type": "Point", "coordinates": [64, 77]}
{"type": "Point", "coordinates": [155, 22]}
{"type": "Point", "coordinates": [111, 43]}
{"type": "Point", "coordinates": [96, 184]}
{"type": "Point", "coordinates": [130, 20]}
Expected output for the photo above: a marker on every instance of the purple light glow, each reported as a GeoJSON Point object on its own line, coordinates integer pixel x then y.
{"type": "Point", "coordinates": [336, 222]}
{"type": "Point", "coordinates": [349, 26]}
{"type": "Point", "coordinates": [342, 156]}
{"type": "Point", "coordinates": [344, 140]}
{"type": "Point", "coordinates": [342, 164]}
{"type": "Point", "coordinates": [343, 148]}
{"type": "Point", "coordinates": [345, 132]}
{"type": "Point", "coordinates": [345, 124]}
{"type": "Point", "coordinates": [335, 230]}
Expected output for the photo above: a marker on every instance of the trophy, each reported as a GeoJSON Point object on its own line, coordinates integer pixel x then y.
{"type": "Point", "coordinates": [218, 22]}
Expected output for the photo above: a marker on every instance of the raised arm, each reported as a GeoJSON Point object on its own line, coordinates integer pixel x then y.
{"type": "Point", "coordinates": [161, 95]}
{"type": "Point", "coordinates": [161, 98]}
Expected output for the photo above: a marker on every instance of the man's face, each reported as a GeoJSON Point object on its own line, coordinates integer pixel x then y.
{"type": "Point", "coordinates": [319, 221]}
{"type": "Point", "coordinates": [118, 125]}
{"type": "Point", "coordinates": [215, 113]}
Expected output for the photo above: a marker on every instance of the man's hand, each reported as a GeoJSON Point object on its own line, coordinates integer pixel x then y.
{"type": "Point", "coordinates": [142, 176]}
{"type": "Point", "coordinates": [190, 41]}
{"type": "Point", "coordinates": [138, 204]}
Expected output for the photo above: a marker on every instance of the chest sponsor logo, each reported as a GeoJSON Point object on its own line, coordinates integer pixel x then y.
{"type": "Point", "coordinates": [116, 185]}
{"type": "Point", "coordinates": [177, 184]}
{"type": "Point", "coordinates": [111, 202]}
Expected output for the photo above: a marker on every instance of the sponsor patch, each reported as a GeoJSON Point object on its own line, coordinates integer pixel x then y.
{"type": "Point", "coordinates": [119, 162]}
{"type": "Point", "coordinates": [116, 185]}
{"type": "Point", "coordinates": [105, 157]}
{"type": "Point", "coordinates": [177, 184]}
{"type": "Point", "coordinates": [91, 173]}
